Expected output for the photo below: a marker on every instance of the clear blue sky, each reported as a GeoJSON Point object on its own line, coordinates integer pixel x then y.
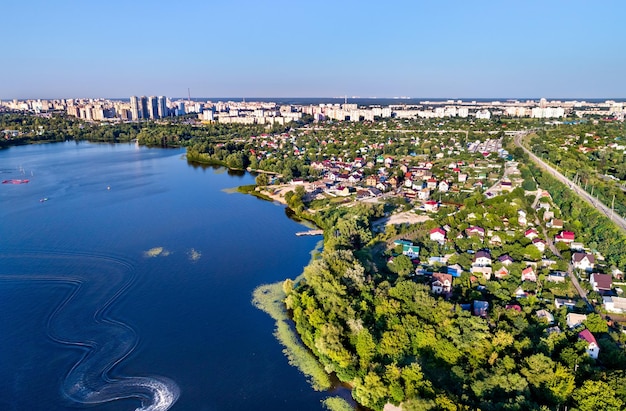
{"type": "Point", "coordinates": [256, 48]}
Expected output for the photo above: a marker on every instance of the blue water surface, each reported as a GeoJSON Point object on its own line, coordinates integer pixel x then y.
{"type": "Point", "coordinates": [87, 316]}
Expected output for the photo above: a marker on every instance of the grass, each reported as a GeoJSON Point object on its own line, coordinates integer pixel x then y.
{"type": "Point", "coordinates": [270, 299]}
{"type": "Point", "coordinates": [252, 190]}
{"type": "Point", "coordinates": [337, 404]}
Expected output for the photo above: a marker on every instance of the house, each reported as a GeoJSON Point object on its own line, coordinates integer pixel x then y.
{"type": "Point", "coordinates": [553, 330]}
{"type": "Point", "coordinates": [441, 283]}
{"type": "Point", "coordinates": [520, 293]}
{"type": "Point", "coordinates": [506, 186]}
{"type": "Point", "coordinates": [431, 183]}
{"type": "Point", "coordinates": [372, 180]}
{"type": "Point", "coordinates": [474, 230]}
{"type": "Point", "coordinates": [444, 186]}
{"type": "Point", "coordinates": [393, 181]}
{"type": "Point", "coordinates": [564, 237]}
{"type": "Point", "coordinates": [521, 218]}
{"type": "Point", "coordinates": [556, 223]}
{"type": "Point", "coordinates": [531, 233]}
{"type": "Point", "coordinates": [408, 249]}
{"type": "Point", "coordinates": [540, 244]}
{"type": "Point", "coordinates": [495, 240]}
{"type": "Point", "coordinates": [592, 345]}
{"type": "Point", "coordinates": [601, 283]}
{"type": "Point", "coordinates": [505, 260]}
{"type": "Point", "coordinates": [543, 314]}
{"type": "Point", "coordinates": [438, 234]}
{"type": "Point", "coordinates": [482, 258]}
{"type": "Point", "coordinates": [528, 274]}
{"type": "Point", "coordinates": [485, 271]}
{"type": "Point", "coordinates": [576, 246]}
{"type": "Point", "coordinates": [423, 194]}
{"type": "Point", "coordinates": [561, 302]}
{"type": "Point", "coordinates": [583, 261]}
{"type": "Point", "coordinates": [556, 276]}
{"type": "Point", "coordinates": [431, 205]}
{"type": "Point", "coordinates": [462, 178]}
{"type": "Point", "coordinates": [573, 320]}
{"type": "Point", "coordinates": [614, 304]}
{"type": "Point", "coordinates": [480, 308]}
{"type": "Point", "coordinates": [617, 274]}
{"type": "Point", "coordinates": [501, 273]}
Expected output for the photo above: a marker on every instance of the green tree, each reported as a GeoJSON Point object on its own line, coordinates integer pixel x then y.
{"type": "Point", "coordinates": [262, 179]}
{"type": "Point", "coordinates": [596, 324]}
{"type": "Point", "coordinates": [596, 395]}
{"type": "Point", "coordinates": [401, 265]}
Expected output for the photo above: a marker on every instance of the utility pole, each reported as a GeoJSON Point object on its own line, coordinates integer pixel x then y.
{"type": "Point", "coordinates": [613, 207]}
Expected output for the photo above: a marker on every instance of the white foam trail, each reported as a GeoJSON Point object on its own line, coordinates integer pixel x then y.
{"type": "Point", "coordinates": [81, 320]}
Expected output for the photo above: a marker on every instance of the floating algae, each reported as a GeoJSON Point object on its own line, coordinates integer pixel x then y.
{"type": "Point", "coordinates": [156, 252]}
{"type": "Point", "coordinates": [194, 255]}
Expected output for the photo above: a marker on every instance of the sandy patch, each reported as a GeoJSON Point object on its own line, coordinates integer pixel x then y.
{"type": "Point", "coordinates": [407, 217]}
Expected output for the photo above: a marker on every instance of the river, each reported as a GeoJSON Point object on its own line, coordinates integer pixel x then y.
{"type": "Point", "coordinates": [125, 282]}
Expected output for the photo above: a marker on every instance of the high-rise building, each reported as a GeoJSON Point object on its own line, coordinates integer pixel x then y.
{"type": "Point", "coordinates": [153, 108]}
{"type": "Point", "coordinates": [162, 107]}
{"type": "Point", "coordinates": [143, 113]}
{"type": "Point", "coordinates": [134, 108]}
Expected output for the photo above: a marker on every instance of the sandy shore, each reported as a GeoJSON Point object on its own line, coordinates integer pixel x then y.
{"type": "Point", "coordinates": [277, 193]}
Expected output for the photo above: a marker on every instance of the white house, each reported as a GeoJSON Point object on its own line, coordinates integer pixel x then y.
{"type": "Point", "coordinates": [573, 320]}
{"type": "Point", "coordinates": [601, 282]}
{"type": "Point", "coordinates": [592, 345]}
{"type": "Point", "coordinates": [540, 244]}
{"type": "Point", "coordinates": [438, 235]}
{"type": "Point", "coordinates": [528, 274]}
{"type": "Point", "coordinates": [614, 304]}
{"type": "Point", "coordinates": [441, 283]}
{"type": "Point", "coordinates": [583, 261]}
{"type": "Point", "coordinates": [482, 259]}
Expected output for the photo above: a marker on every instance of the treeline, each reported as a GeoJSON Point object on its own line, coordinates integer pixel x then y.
{"type": "Point", "coordinates": [175, 132]}
{"type": "Point", "coordinates": [393, 341]}
{"type": "Point", "coordinates": [582, 151]}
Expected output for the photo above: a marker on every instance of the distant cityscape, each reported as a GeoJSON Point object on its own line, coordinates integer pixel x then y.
{"type": "Point", "coordinates": [272, 112]}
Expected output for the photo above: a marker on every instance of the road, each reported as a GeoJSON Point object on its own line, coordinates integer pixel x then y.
{"type": "Point", "coordinates": [616, 218]}
{"type": "Point", "coordinates": [585, 196]}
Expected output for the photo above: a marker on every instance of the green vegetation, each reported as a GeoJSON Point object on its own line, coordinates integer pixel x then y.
{"type": "Point", "coordinates": [591, 153]}
{"type": "Point", "coordinates": [269, 298]}
{"type": "Point", "coordinates": [602, 235]}
{"type": "Point", "coordinates": [360, 311]}
{"type": "Point", "coordinates": [337, 404]}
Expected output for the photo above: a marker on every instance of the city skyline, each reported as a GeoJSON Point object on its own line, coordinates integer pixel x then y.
{"type": "Point", "coordinates": [450, 49]}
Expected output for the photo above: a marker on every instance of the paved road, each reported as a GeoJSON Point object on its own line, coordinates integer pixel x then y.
{"type": "Point", "coordinates": [617, 219]}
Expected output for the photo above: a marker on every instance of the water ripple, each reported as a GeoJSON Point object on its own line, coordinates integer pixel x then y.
{"type": "Point", "coordinates": [82, 321]}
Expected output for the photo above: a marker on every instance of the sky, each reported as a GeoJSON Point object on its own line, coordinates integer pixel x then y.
{"type": "Point", "coordinates": [258, 48]}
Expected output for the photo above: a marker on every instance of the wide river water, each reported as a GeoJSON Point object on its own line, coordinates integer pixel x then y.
{"type": "Point", "coordinates": [126, 277]}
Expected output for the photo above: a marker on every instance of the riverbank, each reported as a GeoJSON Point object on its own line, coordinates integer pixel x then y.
{"type": "Point", "coordinates": [270, 298]}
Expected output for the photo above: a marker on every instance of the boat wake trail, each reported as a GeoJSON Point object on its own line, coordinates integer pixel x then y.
{"type": "Point", "coordinates": [82, 321]}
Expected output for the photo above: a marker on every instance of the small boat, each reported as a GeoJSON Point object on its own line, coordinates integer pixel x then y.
{"type": "Point", "coordinates": [15, 181]}
{"type": "Point", "coordinates": [43, 199]}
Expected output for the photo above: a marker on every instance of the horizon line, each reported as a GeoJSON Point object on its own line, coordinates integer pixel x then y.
{"type": "Point", "coordinates": [400, 98]}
